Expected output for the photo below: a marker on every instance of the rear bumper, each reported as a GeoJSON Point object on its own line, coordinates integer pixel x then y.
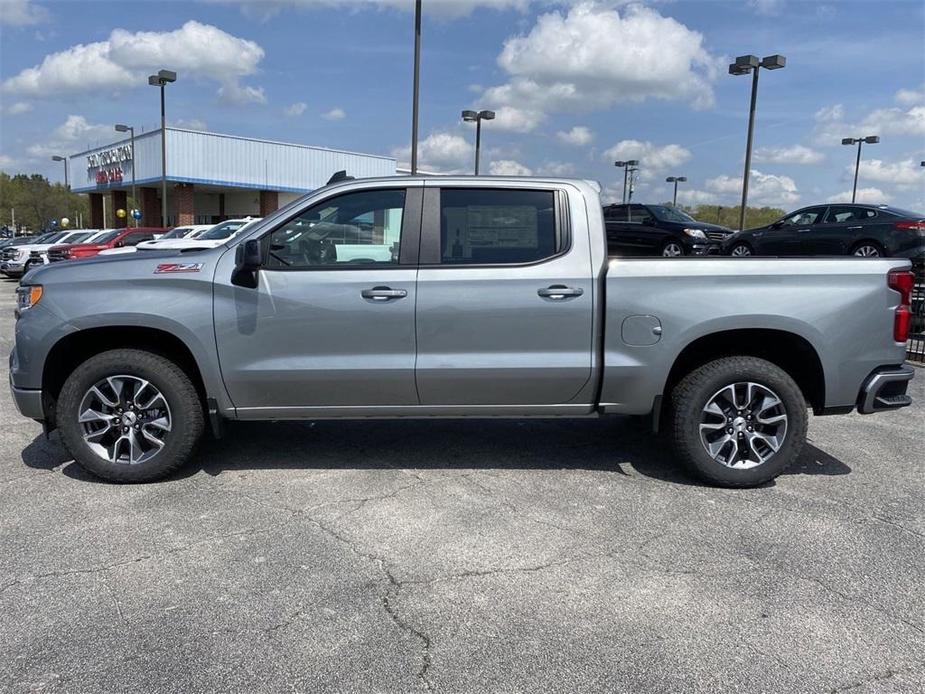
{"type": "Point", "coordinates": [885, 389]}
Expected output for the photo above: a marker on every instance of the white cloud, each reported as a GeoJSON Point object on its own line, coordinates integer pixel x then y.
{"type": "Point", "coordinates": [763, 189]}
{"type": "Point", "coordinates": [441, 9]}
{"type": "Point", "coordinates": [188, 124]}
{"type": "Point", "coordinates": [7, 162]}
{"type": "Point", "coordinates": [556, 168]}
{"type": "Point", "coordinates": [596, 56]}
{"type": "Point", "coordinates": [18, 107]}
{"type": "Point", "coordinates": [508, 167]}
{"type": "Point", "coordinates": [516, 120]}
{"type": "Point", "coordinates": [21, 13]}
{"type": "Point", "coordinates": [76, 132]}
{"type": "Point", "coordinates": [797, 154]}
{"type": "Point", "coordinates": [296, 109]}
{"type": "Point", "coordinates": [911, 97]}
{"type": "Point", "coordinates": [692, 196]}
{"type": "Point", "coordinates": [334, 114]}
{"type": "Point", "coordinates": [868, 195]}
{"type": "Point", "coordinates": [124, 60]}
{"type": "Point", "coordinates": [239, 94]}
{"type": "Point", "coordinates": [440, 152]}
{"type": "Point", "coordinates": [652, 158]}
{"type": "Point", "coordinates": [906, 173]}
{"type": "Point", "coordinates": [831, 125]}
{"type": "Point", "coordinates": [579, 136]}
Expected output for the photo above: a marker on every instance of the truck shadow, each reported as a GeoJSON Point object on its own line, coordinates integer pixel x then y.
{"type": "Point", "coordinates": [619, 445]}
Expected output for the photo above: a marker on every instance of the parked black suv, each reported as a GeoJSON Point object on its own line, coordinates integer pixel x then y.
{"type": "Point", "coordinates": [837, 229]}
{"type": "Point", "coordinates": [659, 230]}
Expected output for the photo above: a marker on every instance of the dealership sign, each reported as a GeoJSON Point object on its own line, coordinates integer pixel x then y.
{"type": "Point", "coordinates": [108, 164]}
{"type": "Point", "coordinates": [116, 155]}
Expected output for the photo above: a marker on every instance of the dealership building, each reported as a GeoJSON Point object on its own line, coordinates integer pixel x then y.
{"type": "Point", "coordinates": [210, 176]}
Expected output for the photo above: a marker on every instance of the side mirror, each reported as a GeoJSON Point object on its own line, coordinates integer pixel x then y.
{"type": "Point", "coordinates": [248, 257]}
{"type": "Point", "coordinates": [120, 244]}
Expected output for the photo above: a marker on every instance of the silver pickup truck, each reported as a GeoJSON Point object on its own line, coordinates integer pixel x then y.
{"type": "Point", "coordinates": [453, 297]}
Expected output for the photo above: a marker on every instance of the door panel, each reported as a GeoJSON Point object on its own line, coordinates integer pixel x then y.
{"type": "Point", "coordinates": [506, 334]}
{"type": "Point", "coordinates": [338, 331]}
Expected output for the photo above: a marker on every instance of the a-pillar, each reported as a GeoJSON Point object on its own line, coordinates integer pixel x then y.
{"type": "Point", "coordinates": [96, 210]}
{"type": "Point", "coordinates": [184, 212]}
{"type": "Point", "coordinates": [119, 202]}
{"type": "Point", "coordinates": [269, 202]}
{"type": "Point", "coordinates": [150, 208]}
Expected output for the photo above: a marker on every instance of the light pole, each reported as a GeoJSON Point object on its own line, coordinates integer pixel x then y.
{"type": "Point", "coordinates": [477, 117]}
{"type": "Point", "coordinates": [416, 88]}
{"type": "Point", "coordinates": [627, 167]}
{"type": "Point", "coordinates": [161, 79]}
{"type": "Point", "coordinates": [742, 66]}
{"type": "Point", "coordinates": [676, 180]}
{"type": "Point", "coordinates": [128, 128]}
{"type": "Point", "coordinates": [64, 159]}
{"type": "Point", "coordinates": [871, 140]}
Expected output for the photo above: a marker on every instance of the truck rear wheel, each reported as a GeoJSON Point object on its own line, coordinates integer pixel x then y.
{"type": "Point", "coordinates": [738, 421]}
{"type": "Point", "coordinates": [129, 416]}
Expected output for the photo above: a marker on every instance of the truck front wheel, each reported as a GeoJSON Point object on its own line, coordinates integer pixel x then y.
{"type": "Point", "coordinates": [738, 421]}
{"type": "Point", "coordinates": [129, 415]}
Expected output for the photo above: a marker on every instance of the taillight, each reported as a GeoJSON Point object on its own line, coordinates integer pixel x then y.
{"type": "Point", "coordinates": [911, 225]}
{"type": "Point", "coordinates": [902, 281]}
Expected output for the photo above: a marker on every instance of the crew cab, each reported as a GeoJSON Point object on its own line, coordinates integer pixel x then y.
{"type": "Point", "coordinates": [15, 261]}
{"type": "Point", "coordinates": [181, 232]}
{"type": "Point", "coordinates": [453, 297]}
{"type": "Point", "coordinates": [114, 238]}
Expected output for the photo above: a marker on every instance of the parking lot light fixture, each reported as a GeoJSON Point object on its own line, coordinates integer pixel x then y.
{"type": "Point", "coordinates": [477, 117]}
{"type": "Point", "coordinates": [64, 159]}
{"type": "Point", "coordinates": [871, 140]}
{"type": "Point", "coordinates": [129, 129]}
{"type": "Point", "coordinates": [744, 65]}
{"type": "Point", "coordinates": [162, 79]}
{"type": "Point", "coordinates": [627, 167]}
{"type": "Point", "coordinates": [676, 180]}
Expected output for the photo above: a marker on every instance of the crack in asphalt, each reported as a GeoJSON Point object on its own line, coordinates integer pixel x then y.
{"type": "Point", "coordinates": [879, 677]}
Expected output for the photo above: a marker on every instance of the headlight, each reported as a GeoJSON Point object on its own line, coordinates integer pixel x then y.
{"type": "Point", "coordinates": [695, 233]}
{"type": "Point", "coordinates": [27, 297]}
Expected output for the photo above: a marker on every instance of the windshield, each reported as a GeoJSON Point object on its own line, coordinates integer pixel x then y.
{"type": "Point", "coordinates": [78, 238]}
{"type": "Point", "coordinates": [54, 237]}
{"type": "Point", "coordinates": [904, 213]}
{"type": "Point", "coordinates": [224, 230]}
{"type": "Point", "coordinates": [108, 236]}
{"type": "Point", "coordinates": [670, 214]}
{"type": "Point", "coordinates": [177, 233]}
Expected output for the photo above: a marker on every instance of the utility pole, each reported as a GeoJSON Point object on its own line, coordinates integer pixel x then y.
{"type": "Point", "coordinates": [416, 88]}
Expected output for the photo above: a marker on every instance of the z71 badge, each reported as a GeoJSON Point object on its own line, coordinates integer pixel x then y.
{"type": "Point", "coordinates": [164, 268]}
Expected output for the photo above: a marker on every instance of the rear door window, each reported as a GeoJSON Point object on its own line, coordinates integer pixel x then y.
{"type": "Point", "coordinates": [490, 227]}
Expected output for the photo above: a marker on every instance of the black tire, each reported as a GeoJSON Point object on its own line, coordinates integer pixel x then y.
{"type": "Point", "coordinates": [186, 413]}
{"type": "Point", "coordinates": [695, 392]}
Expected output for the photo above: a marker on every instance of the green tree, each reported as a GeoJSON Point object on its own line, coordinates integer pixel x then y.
{"type": "Point", "coordinates": [37, 203]}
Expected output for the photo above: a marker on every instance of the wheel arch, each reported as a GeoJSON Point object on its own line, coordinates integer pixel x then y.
{"type": "Point", "coordinates": [76, 347]}
{"type": "Point", "coordinates": [791, 352]}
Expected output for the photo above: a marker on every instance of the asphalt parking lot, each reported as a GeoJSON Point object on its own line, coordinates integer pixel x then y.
{"type": "Point", "coordinates": [464, 556]}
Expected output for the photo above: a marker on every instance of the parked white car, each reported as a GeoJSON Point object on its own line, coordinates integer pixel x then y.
{"type": "Point", "coordinates": [184, 232]}
{"type": "Point", "coordinates": [216, 236]}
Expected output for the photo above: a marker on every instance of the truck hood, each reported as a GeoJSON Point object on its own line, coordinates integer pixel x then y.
{"type": "Point", "coordinates": [179, 244]}
{"type": "Point", "coordinates": [80, 247]}
{"type": "Point", "coordinates": [126, 269]}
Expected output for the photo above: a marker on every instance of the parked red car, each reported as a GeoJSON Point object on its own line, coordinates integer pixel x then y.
{"type": "Point", "coordinates": [117, 238]}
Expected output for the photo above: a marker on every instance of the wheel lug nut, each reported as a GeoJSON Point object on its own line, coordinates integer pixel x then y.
{"type": "Point", "coordinates": [729, 430]}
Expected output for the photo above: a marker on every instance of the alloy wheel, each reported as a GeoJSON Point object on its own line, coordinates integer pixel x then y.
{"type": "Point", "coordinates": [867, 251]}
{"type": "Point", "coordinates": [672, 250]}
{"type": "Point", "coordinates": [125, 419]}
{"type": "Point", "coordinates": [741, 251]}
{"type": "Point", "coordinates": [743, 425]}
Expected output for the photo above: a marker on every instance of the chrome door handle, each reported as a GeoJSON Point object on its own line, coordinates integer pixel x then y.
{"type": "Point", "coordinates": [802, 231]}
{"type": "Point", "coordinates": [557, 292]}
{"type": "Point", "coordinates": [854, 228]}
{"type": "Point", "coordinates": [383, 293]}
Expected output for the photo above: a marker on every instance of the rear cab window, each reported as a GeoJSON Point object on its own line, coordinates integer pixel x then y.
{"type": "Point", "coordinates": [498, 226]}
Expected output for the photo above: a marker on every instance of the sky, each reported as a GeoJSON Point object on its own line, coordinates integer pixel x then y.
{"type": "Point", "coordinates": [576, 85]}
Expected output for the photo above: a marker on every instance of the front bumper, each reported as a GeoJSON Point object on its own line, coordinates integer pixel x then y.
{"type": "Point", "coordinates": [28, 402]}
{"type": "Point", "coordinates": [13, 269]}
{"type": "Point", "coordinates": [885, 389]}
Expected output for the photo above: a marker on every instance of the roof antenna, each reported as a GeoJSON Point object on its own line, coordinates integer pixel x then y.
{"type": "Point", "coordinates": [339, 176]}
